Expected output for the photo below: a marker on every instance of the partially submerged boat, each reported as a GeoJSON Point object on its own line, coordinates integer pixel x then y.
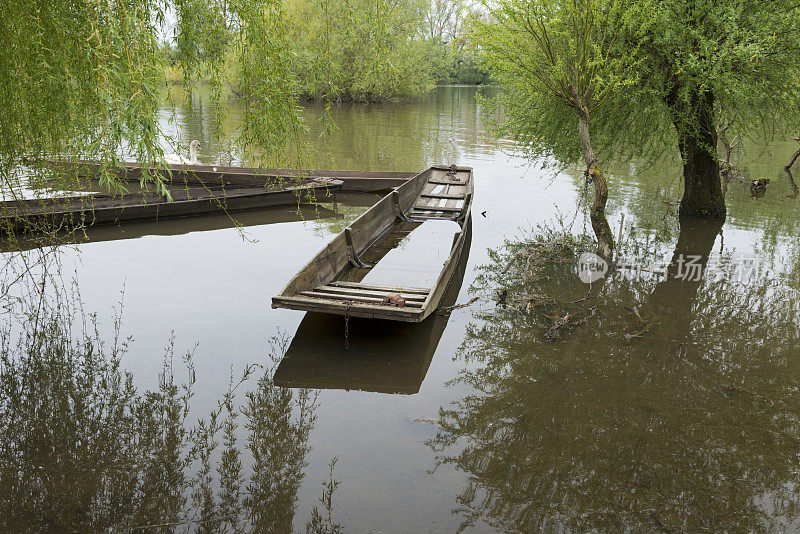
{"type": "Point", "coordinates": [378, 356]}
{"type": "Point", "coordinates": [168, 227]}
{"type": "Point", "coordinates": [337, 279]}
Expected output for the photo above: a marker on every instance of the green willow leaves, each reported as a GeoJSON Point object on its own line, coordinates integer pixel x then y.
{"type": "Point", "coordinates": [86, 80]}
{"type": "Point", "coordinates": [79, 78]}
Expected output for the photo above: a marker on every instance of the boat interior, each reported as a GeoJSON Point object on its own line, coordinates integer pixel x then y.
{"type": "Point", "coordinates": [404, 245]}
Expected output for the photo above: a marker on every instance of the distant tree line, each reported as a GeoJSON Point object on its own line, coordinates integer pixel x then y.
{"type": "Point", "coordinates": [344, 50]}
{"type": "Point", "coordinates": [85, 80]}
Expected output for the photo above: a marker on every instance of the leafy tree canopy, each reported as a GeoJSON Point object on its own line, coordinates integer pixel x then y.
{"type": "Point", "coordinates": [657, 70]}
{"type": "Point", "coordinates": [85, 79]}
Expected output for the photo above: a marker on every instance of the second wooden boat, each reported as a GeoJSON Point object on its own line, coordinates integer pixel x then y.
{"type": "Point", "coordinates": [225, 176]}
{"type": "Point", "coordinates": [336, 280]}
{"type": "Point", "coordinates": [95, 209]}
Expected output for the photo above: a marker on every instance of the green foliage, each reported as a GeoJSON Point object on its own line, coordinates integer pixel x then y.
{"type": "Point", "coordinates": [650, 64]}
{"type": "Point", "coordinates": [85, 80]}
{"type": "Point", "coordinates": [456, 62]}
{"type": "Point", "coordinates": [741, 52]}
{"type": "Point", "coordinates": [267, 83]}
{"type": "Point", "coordinates": [545, 55]}
{"type": "Point", "coordinates": [360, 49]}
{"type": "Point", "coordinates": [79, 78]}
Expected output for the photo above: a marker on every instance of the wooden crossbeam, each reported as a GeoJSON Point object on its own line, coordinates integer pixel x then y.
{"type": "Point", "coordinates": [388, 289]}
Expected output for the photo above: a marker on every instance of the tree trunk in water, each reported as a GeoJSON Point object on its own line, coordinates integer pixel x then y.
{"type": "Point", "coordinates": [673, 297]}
{"type": "Point", "coordinates": [796, 155]}
{"type": "Point", "coordinates": [795, 190]}
{"type": "Point", "coordinates": [602, 230]}
{"type": "Point", "coordinates": [697, 140]}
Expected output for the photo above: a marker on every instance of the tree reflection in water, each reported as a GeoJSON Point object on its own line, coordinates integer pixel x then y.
{"type": "Point", "coordinates": [675, 405]}
{"type": "Point", "coordinates": [81, 450]}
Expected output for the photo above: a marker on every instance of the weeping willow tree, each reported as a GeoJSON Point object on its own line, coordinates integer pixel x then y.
{"type": "Point", "coordinates": [563, 72]}
{"type": "Point", "coordinates": [691, 62]}
{"type": "Point", "coordinates": [80, 78]}
{"type": "Point", "coordinates": [85, 80]}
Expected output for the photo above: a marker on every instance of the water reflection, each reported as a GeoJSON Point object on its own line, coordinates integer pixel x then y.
{"type": "Point", "coordinates": [792, 184]}
{"type": "Point", "coordinates": [597, 428]}
{"type": "Point", "coordinates": [674, 405]}
{"type": "Point", "coordinates": [175, 226]}
{"type": "Point", "coordinates": [379, 356]}
{"type": "Point", "coordinates": [393, 136]}
{"type": "Point", "coordinates": [82, 450]}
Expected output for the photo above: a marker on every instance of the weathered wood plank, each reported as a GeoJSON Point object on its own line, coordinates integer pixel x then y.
{"type": "Point", "coordinates": [369, 311]}
{"type": "Point", "coordinates": [447, 182]}
{"type": "Point", "coordinates": [419, 216]}
{"type": "Point", "coordinates": [101, 209]}
{"type": "Point", "coordinates": [216, 175]}
{"type": "Point", "coordinates": [437, 208]}
{"type": "Point", "coordinates": [388, 289]}
{"type": "Point", "coordinates": [317, 293]}
{"type": "Point", "coordinates": [454, 203]}
{"type": "Point", "coordinates": [370, 293]}
{"type": "Point", "coordinates": [447, 197]}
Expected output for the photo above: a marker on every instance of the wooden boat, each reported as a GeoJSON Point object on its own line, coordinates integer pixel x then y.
{"type": "Point", "coordinates": [95, 209]}
{"type": "Point", "coordinates": [218, 175]}
{"type": "Point", "coordinates": [333, 281]}
{"type": "Point", "coordinates": [380, 356]}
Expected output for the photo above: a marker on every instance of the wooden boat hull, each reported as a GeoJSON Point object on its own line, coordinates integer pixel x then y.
{"type": "Point", "coordinates": [92, 210]}
{"type": "Point", "coordinates": [439, 193]}
{"type": "Point", "coordinates": [380, 356]}
{"type": "Point", "coordinates": [217, 175]}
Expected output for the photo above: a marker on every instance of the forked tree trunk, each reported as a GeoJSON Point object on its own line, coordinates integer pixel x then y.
{"type": "Point", "coordinates": [697, 140]}
{"type": "Point", "coordinates": [602, 230]}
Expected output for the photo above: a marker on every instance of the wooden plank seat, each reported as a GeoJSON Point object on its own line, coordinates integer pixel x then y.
{"type": "Point", "coordinates": [388, 289]}
{"type": "Point", "coordinates": [366, 294]}
{"type": "Point", "coordinates": [445, 182]}
{"type": "Point", "coordinates": [436, 208]}
{"type": "Point", "coordinates": [449, 197]}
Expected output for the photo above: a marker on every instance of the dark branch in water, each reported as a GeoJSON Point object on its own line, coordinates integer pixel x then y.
{"type": "Point", "coordinates": [794, 156]}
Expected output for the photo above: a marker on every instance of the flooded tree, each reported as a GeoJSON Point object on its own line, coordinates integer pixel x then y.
{"type": "Point", "coordinates": [555, 59]}
{"type": "Point", "coordinates": [670, 404]}
{"type": "Point", "coordinates": [689, 61]}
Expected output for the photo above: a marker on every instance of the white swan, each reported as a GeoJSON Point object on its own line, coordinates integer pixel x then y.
{"type": "Point", "coordinates": [177, 159]}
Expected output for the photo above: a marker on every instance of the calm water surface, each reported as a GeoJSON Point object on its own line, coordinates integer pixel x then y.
{"type": "Point", "coordinates": [673, 405]}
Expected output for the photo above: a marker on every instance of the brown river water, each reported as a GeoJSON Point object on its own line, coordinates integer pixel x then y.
{"type": "Point", "coordinates": [663, 404]}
